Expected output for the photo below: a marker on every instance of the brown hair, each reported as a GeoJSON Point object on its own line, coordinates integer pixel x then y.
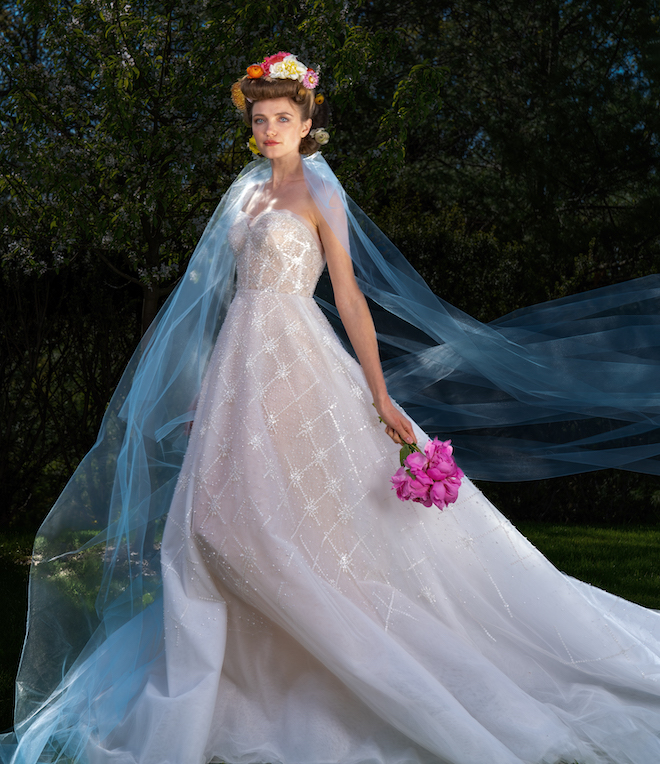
{"type": "Point", "coordinates": [264, 89]}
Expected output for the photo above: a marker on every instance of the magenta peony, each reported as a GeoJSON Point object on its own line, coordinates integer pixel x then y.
{"type": "Point", "coordinates": [401, 482]}
{"type": "Point", "coordinates": [431, 477]}
{"type": "Point", "coordinates": [417, 463]}
{"type": "Point", "coordinates": [441, 461]}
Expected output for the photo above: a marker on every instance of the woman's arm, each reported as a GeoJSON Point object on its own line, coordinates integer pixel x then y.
{"type": "Point", "coordinates": [356, 317]}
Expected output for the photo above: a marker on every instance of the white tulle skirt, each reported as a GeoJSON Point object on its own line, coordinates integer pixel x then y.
{"type": "Point", "coordinates": [313, 618]}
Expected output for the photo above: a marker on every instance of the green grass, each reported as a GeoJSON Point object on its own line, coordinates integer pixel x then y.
{"type": "Point", "coordinates": [622, 561]}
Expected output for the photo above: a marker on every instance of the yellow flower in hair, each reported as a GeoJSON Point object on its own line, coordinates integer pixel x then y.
{"type": "Point", "coordinates": [319, 99]}
{"type": "Point", "coordinates": [237, 97]}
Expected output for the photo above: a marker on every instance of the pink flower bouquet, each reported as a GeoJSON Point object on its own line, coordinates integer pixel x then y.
{"type": "Point", "coordinates": [429, 477]}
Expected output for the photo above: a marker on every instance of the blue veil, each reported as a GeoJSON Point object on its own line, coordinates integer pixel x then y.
{"type": "Point", "coordinates": [558, 388]}
{"type": "Point", "coordinates": [554, 389]}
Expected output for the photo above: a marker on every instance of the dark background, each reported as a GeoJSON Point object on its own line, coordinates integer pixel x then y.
{"type": "Point", "coordinates": [510, 149]}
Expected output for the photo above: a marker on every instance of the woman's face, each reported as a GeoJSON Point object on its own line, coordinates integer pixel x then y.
{"type": "Point", "coordinates": [277, 127]}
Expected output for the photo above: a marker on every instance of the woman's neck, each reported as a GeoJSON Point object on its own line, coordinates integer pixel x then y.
{"type": "Point", "coordinates": [286, 170]}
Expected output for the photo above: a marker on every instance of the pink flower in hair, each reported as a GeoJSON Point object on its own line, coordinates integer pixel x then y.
{"type": "Point", "coordinates": [274, 59]}
{"type": "Point", "coordinates": [310, 80]}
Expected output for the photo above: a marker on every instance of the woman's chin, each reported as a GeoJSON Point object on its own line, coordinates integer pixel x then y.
{"type": "Point", "coordinates": [276, 151]}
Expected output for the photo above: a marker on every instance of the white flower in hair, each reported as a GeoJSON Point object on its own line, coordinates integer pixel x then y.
{"type": "Point", "coordinates": [320, 135]}
{"type": "Point", "coordinates": [288, 69]}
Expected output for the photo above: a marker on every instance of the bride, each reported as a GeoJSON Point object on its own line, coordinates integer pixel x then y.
{"type": "Point", "coordinates": [306, 615]}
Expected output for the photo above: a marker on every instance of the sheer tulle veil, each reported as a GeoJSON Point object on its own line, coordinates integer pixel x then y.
{"type": "Point", "coordinates": [558, 388]}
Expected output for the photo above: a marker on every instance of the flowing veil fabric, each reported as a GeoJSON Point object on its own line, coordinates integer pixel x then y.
{"type": "Point", "coordinates": [562, 387]}
{"type": "Point", "coordinates": [96, 562]}
{"type": "Point", "coordinates": [568, 385]}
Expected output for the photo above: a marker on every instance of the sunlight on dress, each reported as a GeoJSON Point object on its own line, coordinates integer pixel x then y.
{"type": "Point", "coordinates": [313, 618]}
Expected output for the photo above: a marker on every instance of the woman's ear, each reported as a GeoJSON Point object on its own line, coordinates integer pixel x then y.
{"type": "Point", "coordinates": [306, 127]}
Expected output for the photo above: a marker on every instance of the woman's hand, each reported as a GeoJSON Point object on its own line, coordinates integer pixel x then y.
{"type": "Point", "coordinates": [396, 425]}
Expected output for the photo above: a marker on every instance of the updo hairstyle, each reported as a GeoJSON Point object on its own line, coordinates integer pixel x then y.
{"type": "Point", "coordinates": [264, 89]}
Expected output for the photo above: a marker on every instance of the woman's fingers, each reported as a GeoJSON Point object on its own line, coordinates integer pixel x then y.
{"type": "Point", "coordinates": [394, 435]}
{"type": "Point", "coordinates": [399, 428]}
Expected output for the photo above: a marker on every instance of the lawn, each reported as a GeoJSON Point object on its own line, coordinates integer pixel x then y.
{"type": "Point", "coordinates": [624, 561]}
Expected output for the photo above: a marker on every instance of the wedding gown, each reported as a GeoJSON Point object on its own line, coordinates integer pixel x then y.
{"type": "Point", "coordinates": [313, 618]}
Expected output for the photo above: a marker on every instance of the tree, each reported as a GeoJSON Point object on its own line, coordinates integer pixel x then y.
{"type": "Point", "coordinates": [547, 134]}
{"type": "Point", "coordinates": [510, 145]}
{"type": "Point", "coordinates": [118, 138]}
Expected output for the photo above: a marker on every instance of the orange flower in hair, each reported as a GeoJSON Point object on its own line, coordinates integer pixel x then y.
{"type": "Point", "coordinates": [255, 71]}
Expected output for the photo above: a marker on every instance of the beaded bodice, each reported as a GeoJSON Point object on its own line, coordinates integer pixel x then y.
{"type": "Point", "coordinates": [276, 252]}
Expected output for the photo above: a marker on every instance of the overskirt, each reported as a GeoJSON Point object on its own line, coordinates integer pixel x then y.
{"type": "Point", "coordinates": [554, 389]}
{"type": "Point", "coordinates": [311, 617]}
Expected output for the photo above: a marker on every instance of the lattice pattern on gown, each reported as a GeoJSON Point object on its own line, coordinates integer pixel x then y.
{"type": "Point", "coordinates": [287, 448]}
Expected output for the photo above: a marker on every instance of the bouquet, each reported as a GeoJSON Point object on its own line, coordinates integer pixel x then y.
{"type": "Point", "coordinates": [428, 477]}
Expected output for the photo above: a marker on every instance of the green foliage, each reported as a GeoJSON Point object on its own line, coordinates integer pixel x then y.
{"type": "Point", "coordinates": [510, 149]}
{"type": "Point", "coordinates": [608, 498]}
{"type": "Point", "coordinates": [120, 140]}
{"type": "Point", "coordinates": [471, 269]}
{"type": "Point", "coordinates": [65, 339]}
{"type": "Point", "coordinates": [73, 578]}
{"type": "Point", "coordinates": [546, 134]}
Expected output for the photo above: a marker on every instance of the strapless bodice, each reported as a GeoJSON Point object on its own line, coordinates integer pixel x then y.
{"type": "Point", "coordinates": [276, 252]}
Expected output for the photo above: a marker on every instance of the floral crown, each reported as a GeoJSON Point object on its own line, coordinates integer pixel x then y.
{"type": "Point", "coordinates": [281, 66]}
{"type": "Point", "coordinates": [284, 66]}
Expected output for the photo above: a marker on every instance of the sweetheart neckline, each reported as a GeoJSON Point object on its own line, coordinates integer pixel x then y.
{"type": "Point", "coordinates": [290, 214]}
